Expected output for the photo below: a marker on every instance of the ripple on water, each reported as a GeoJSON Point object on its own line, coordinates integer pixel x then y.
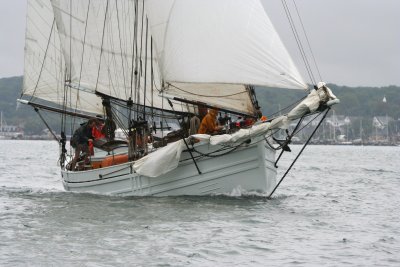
{"type": "Point", "coordinates": [336, 212]}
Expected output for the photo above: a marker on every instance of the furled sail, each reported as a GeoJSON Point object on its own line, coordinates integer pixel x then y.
{"type": "Point", "coordinates": [219, 43]}
{"type": "Point", "coordinates": [44, 64]}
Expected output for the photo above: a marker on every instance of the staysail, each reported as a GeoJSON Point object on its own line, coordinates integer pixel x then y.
{"type": "Point", "coordinates": [44, 64]}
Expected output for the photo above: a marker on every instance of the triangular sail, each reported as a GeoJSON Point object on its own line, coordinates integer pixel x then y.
{"type": "Point", "coordinates": [44, 64]}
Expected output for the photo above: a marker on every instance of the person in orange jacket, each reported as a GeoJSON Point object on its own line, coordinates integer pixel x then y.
{"type": "Point", "coordinates": [208, 124]}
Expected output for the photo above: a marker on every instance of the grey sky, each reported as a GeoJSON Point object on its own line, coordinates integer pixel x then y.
{"type": "Point", "coordinates": [355, 42]}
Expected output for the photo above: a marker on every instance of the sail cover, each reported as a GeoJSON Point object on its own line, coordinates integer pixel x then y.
{"type": "Point", "coordinates": [220, 42]}
{"type": "Point", "coordinates": [44, 64]}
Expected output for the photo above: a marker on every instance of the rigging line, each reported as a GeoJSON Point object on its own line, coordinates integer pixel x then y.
{"type": "Point", "coordinates": [294, 103]}
{"type": "Point", "coordinates": [313, 119]}
{"type": "Point", "coordinates": [101, 47]}
{"type": "Point", "coordinates": [47, 125]}
{"type": "Point", "coordinates": [40, 49]}
{"type": "Point", "coordinates": [64, 110]}
{"type": "Point", "coordinates": [44, 59]}
{"type": "Point", "coordinates": [151, 76]}
{"type": "Point", "coordinates": [133, 71]}
{"type": "Point", "coordinates": [180, 89]}
{"type": "Point", "coordinates": [225, 147]}
{"type": "Point", "coordinates": [299, 45]}
{"type": "Point", "coordinates": [138, 58]}
{"type": "Point", "coordinates": [37, 30]}
{"type": "Point", "coordinates": [112, 61]}
{"type": "Point", "coordinates": [162, 113]}
{"type": "Point", "coordinates": [210, 155]}
{"type": "Point", "coordinates": [133, 49]}
{"type": "Point", "coordinates": [145, 70]}
{"type": "Point", "coordinates": [184, 139]}
{"type": "Point", "coordinates": [70, 39]}
{"type": "Point", "coordinates": [298, 41]}
{"type": "Point", "coordinates": [141, 42]}
{"type": "Point", "coordinates": [298, 155]}
{"type": "Point", "coordinates": [116, 117]}
{"type": "Point", "coordinates": [38, 12]}
{"type": "Point", "coordinates": [83, 52]}
{"type": "Point", "coordinates": [120, 47]}
{"type": "Point", "coordinates": [308, 42]}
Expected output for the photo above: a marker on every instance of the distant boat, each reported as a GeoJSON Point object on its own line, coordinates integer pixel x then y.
{"type": "Point", "coordinates": [144, 64]}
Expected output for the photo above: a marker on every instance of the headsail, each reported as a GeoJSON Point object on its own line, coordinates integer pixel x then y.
{"type": "Point", "coordinates": [44, 64]}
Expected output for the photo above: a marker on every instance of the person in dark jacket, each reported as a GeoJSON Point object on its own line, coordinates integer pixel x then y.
{"type": "Point", "coordinates": [80, 141]}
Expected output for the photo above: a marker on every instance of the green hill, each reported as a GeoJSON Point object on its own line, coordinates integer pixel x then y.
{"type": "Point", "coordinates": [355, 101]}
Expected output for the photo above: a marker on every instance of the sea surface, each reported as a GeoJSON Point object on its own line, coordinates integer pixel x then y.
{"type": "Point", "coordinates": [339, 206]}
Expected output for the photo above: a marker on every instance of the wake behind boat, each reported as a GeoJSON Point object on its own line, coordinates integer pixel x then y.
{"type": "Point", "coordinates": [141, 66]}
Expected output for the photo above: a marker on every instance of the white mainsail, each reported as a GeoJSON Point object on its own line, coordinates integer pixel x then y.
{"type": "Point", "coordinates": [44, 64]}
{"type": "Point", "coordinates": [105, 42]}
{"type": "Point", "coordinates": [219, 42]}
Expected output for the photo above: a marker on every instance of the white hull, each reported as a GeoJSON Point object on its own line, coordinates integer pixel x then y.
{"type": "Point", "coordinates": [250, 168]}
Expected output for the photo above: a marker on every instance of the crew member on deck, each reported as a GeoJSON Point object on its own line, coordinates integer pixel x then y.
{"type": "Point", "coordinates": [209, 123]}
{"type": "Point", "coordinates": [97, 133]}
{"type": "Point", "coordinates": [80, 141]}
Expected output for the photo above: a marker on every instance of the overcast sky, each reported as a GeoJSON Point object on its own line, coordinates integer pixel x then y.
{"type": "Point", "coordinates": [355, 42]}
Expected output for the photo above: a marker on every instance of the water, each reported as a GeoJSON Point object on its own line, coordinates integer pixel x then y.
{"type": "Point", "coordinates": [338, 207]}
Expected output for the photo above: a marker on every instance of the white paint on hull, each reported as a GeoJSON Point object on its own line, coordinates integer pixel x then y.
{"type": "Point", "coordinates": [249, 168]}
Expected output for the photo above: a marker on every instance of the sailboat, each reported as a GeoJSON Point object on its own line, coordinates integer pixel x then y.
{"type": "Point", "coordinates": [140, 65]}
